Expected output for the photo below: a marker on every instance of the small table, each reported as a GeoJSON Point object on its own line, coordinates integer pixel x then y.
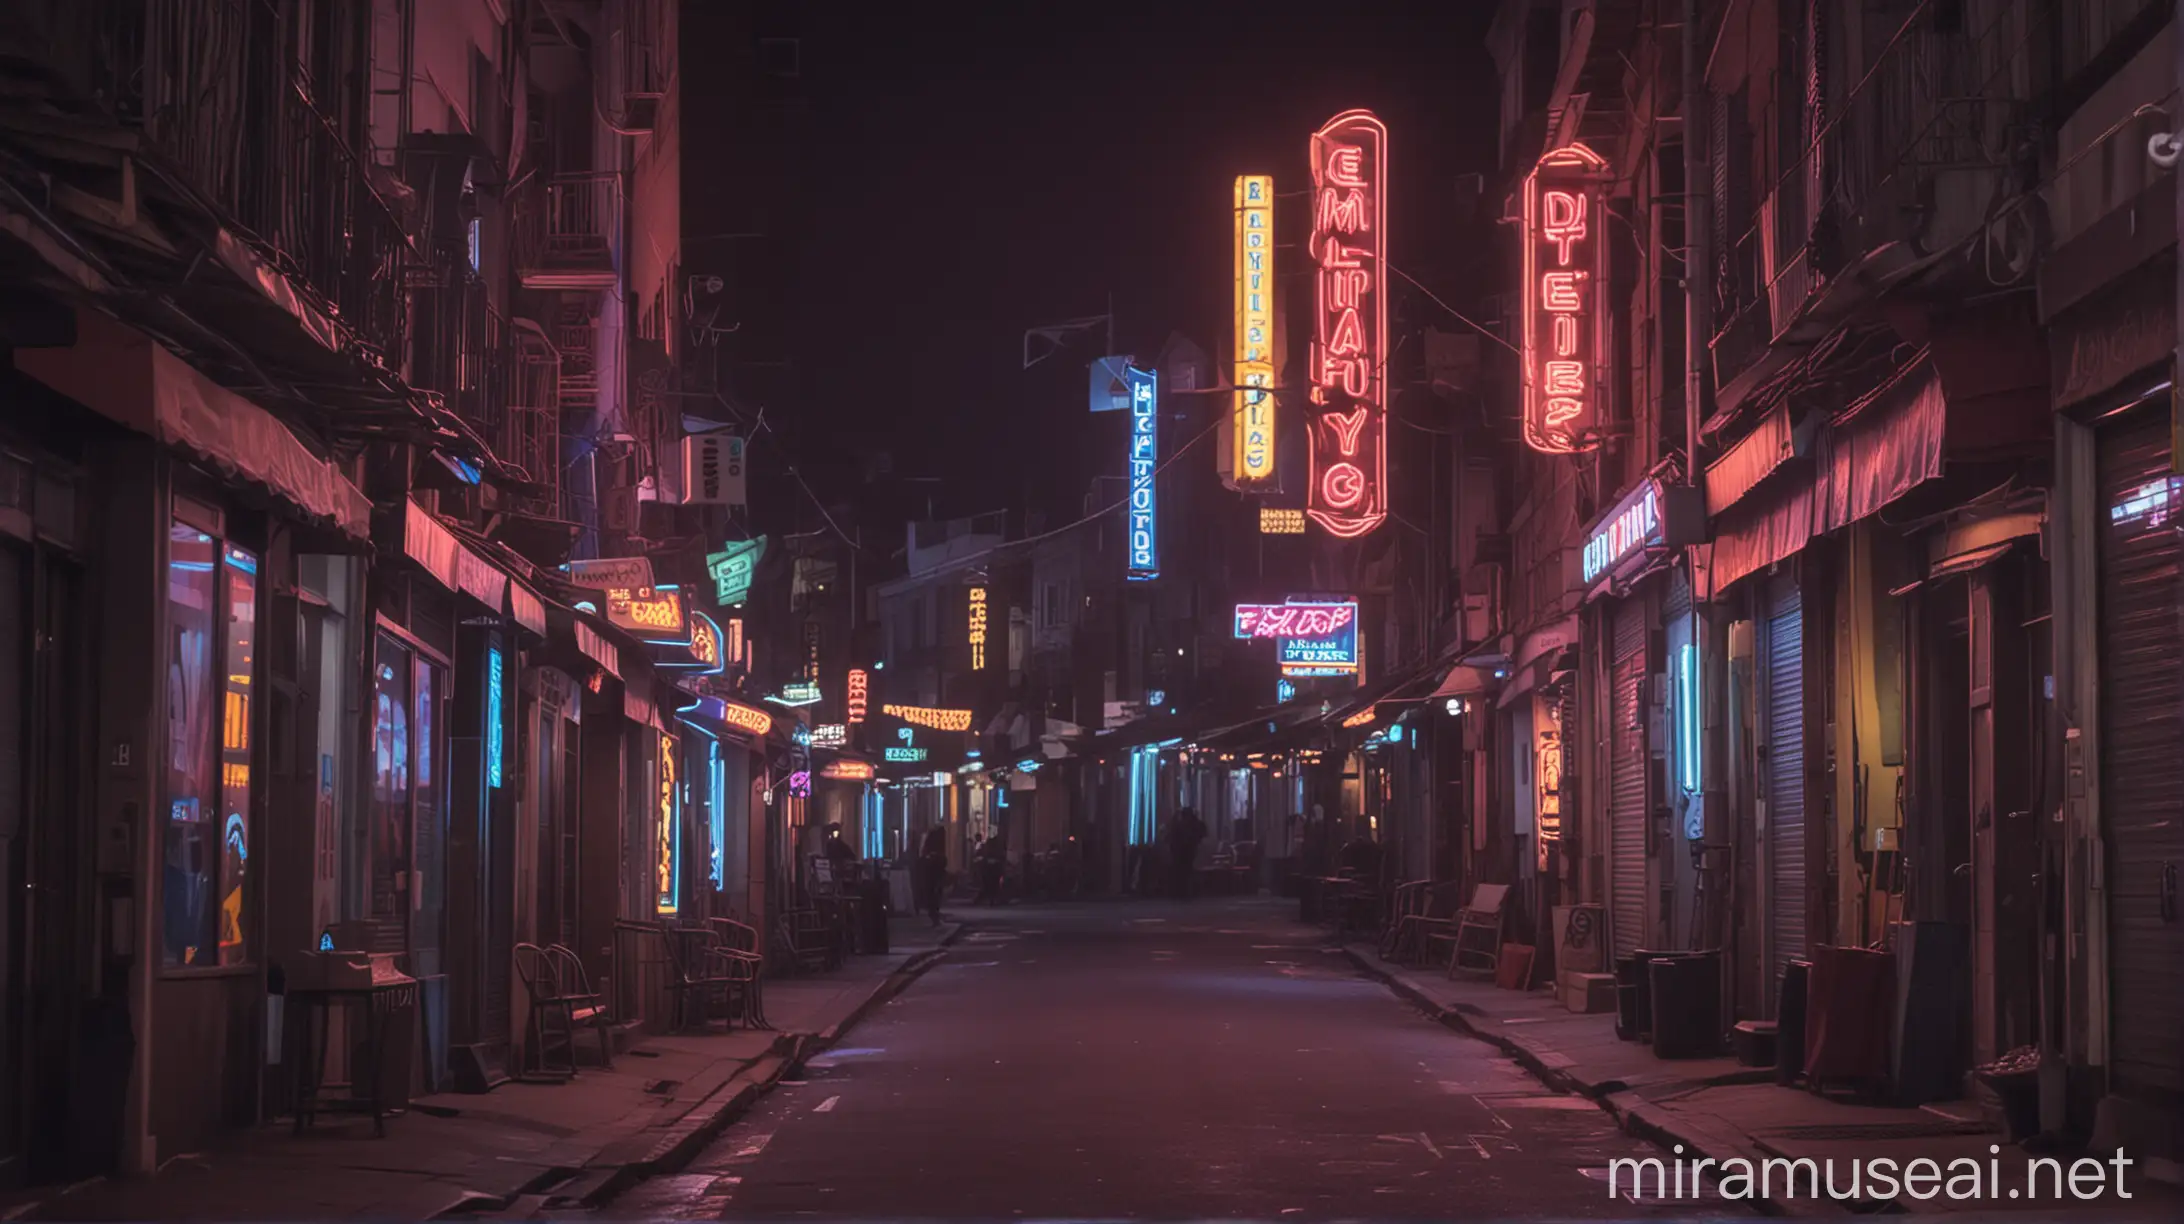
{"type": "Point", "coordinates": [378, 1001]}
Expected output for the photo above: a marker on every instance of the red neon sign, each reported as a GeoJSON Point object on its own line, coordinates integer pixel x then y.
{"type": "Point", "coordinates": [1349, 493]}
{"type": "Point", "coordinates": [1562, 278]}
{"type": "Point", "coordinates": [859, 686]}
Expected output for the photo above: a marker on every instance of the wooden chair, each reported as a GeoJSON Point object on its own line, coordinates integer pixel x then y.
{"type": "Point", "coordinates": [535, 969]}
{"type": "Point", "coordinates": [583, 1003]}
{"type": "Point", "coordinates": [1403, 902]}
{"type": "Point", "coordinates": [694, 979]}
{"type": "Point", "coordinates": [1479, 927]}
{"type": "Point", "coordinates": [735, 946]}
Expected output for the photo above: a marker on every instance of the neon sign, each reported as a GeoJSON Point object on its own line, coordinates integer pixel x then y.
{"type": "Point", "coordinates": [716, 790]}
{"type": "Point", "coordinates": [669, 831]}
{"type": "Point", "coordinates": [1358, 719]}
{"type": "Point", "coordinates": [829, 735]}
{"type": "Point", "coordinates": [800, 784]}
{"type": "Point", "coordinates": [937, 720]}
{"type": "Point", "coordinates": [906, 755]}
{"type": "Point", "coordinates": [1275, 520]}
{"type": "Point", "coordinates": [1632, 526]}
{"type": "Point", "coordinates": [1287, 620]}
{"type": "Point", "coordinates": [978, 628]}
{"type": "Point", "coordinates": [1547, 777]}
{"type": "Point", "coordinates": [798, 693]}
{"type": "Point", "coordinates": [1349, 491]}
{"type": "Point", "coordinates": [848, 771]}
{"type": "Point", "coordinates": [493, 718]}
{"type": "Point", "coordinates": [732, 569]}
{"type": "Point", "coordinates": [705, 642]}
{"type": "Point", "coordinates": [650, 611]}
{"type": "Point", "coordinates": [855, 692]}
{"type": "Point", "coordinates": [1252, 462]}
{"type": "Point", "coordinates": [734, 714]}
{"type": "Point", "coordinates": [1144, 461]}
{"type": "Point", "coordinates": [1562, 278]}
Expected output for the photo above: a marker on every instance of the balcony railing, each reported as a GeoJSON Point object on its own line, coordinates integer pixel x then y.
{"type": "Point", "coordinates": [224, 115]}
{"type": "Point", "coordinates": [569, 231]}
{"type": "Point", "coordinates": [530, 432]}
{"type": "Point", "coordinates": [639, 61]}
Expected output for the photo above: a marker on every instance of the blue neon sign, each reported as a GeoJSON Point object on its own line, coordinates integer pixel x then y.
{"type": "Point", "coordinates": [716, 803]}
{"type": "Point", "coordinates": [1144, 460]}
{"type": "Point", "coordinates": [493, 717]}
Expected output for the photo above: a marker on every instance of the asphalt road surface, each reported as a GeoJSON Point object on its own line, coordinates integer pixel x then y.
{"type": "Point", "coordinates": [1131, 1060]}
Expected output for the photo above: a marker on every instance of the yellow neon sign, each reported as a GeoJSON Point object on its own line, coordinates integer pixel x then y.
{"type": "Point", "coordinates": [978, 628]}
{"type": "Point", "coordinates": [938, 720]}
{"type": "Point", "coordinates": [1276, 520]}
{"type": "Point", "coordinates": [1358, 719]}
{"type": "Point", "coordinates": [1253, 414]}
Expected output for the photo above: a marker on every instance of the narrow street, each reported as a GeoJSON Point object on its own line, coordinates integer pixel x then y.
{"type": "Point", "coordinates": [1180, 1061]}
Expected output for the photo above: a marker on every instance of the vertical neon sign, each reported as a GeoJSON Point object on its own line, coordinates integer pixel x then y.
{"type": "Point", "coordinates": [493, 717]}
{"type": "Point", "coordinates": [855, 693]}
{"type": "Point", "coordinates": [1562, 322]}
{"type": "Point", "coordinates": [1144, 460]}
{"type": "Point", "coordinates": [669, 831]}
{"type": "Point", "coordinates": [978, 628]}
{"type": "Point", "coordinates": [1253, 415]}
{"type": "Point", "coordinates": [716, 810]}
{"type": "Point", "coordinates": [1349, 494]}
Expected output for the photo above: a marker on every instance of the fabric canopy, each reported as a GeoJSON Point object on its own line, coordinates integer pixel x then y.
{"type": "Point", "coordinates": [1857, 469]}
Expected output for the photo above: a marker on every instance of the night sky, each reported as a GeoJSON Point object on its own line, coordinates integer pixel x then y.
{"type": "Point", "coordinates": [980, 169]}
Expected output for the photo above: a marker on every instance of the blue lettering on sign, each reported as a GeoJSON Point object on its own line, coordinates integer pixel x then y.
{"type": "Point", "coordinates": [493, 717]}
{"type": "Point", "coordinates": [1144, 462]}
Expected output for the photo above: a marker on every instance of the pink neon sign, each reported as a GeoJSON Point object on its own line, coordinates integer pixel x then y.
{"type": "Point", "coordinates": [1293, 620]}
{"type": "Point", "coordinates": [1562, 280]}
{"type": "Point", "coordinates": [1349, 491]}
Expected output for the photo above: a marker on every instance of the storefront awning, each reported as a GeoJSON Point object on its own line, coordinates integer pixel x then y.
{"type": "Point", "coordinates": [125, 375]}
{"type": "Point", "coordinates": [526, 608]}
{"type": "Point", "coordinates": [1751, 460]}
{"type": "Point", "coordinates": [598, 649]}
{"type": "Point", "coordinates": [1857, 469]}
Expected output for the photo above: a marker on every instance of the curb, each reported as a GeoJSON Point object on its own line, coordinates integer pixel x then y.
{"type": "Point", "coordinates": [1637, 1116]}
{"type": "Point", "coordinates": [686, 1139]}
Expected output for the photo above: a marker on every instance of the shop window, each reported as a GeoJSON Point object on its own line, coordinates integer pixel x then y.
{"type": "Point", "coordinates": [212, 620]}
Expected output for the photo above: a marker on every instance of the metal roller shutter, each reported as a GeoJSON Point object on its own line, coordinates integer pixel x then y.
{"type": "Point", "coordinates": [2142, 748]}
{"type": "Point", "coordinates": [1784, 695]}
{"type": "Point", "coordinates": [1627, 782]}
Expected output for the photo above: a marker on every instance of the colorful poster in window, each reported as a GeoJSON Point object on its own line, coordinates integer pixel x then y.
{"type": "Point", "coordinates": [1349, 246]}
{"type": "Point", "coordinates": [1564, 324]}
{"type": "Point", "coordinates": [212, 606]}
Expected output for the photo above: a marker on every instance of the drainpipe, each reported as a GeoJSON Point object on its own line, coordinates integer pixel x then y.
{"type": "Point", "coordinates": [1707, 640]}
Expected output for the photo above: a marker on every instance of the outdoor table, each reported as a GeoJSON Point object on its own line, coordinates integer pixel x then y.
{"type": "Point", "coordinates": [377, 1001]}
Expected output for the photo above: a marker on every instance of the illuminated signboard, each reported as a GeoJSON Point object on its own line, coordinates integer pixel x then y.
{"type": "Point", "coordinates": [1284, 691]}
{"type": "Point", "coordinates": [1547, 774]}
{"type": "Point", "coordinates": [1252, 462]}
{"type": "Point", "coordinates": [1564, 326]}
{"type": "Point", "coordinates": [652, 613]}
{"type": "Point", "coordinates": [716, 812]}
{"type": "Point", "coordinates": [1314, 638]}
{"type": "Point", "coordinates": [829, 735]}
{"type": "Point", "coordinates": [1651, 517]}
{"type": "Point", "coordinates": [978, 628]}
{"type": "Point", "coordinates": [937, 720]}
{"type": "Point", "coordinates": [1302, 619]}
{"type": "Point", "coordinates": [610, 573]}
{"type": "Point", "coordinates": [735, 714]}
{"type": "Point", "coordinates": [669, 830]}
{"type": "Point", "coordinates": [800, 784]}
{"type": "Point", "coordinates": [732, 568]}
{"type": "Point", "coordinates": [908, 755]}
{"type": "Point", "coordinates": [493, 717]}
{"type": "Point", "coordinates": [1277, 520]}
{"type": "Point", "coordinates": [1144, 530]}
{"type": "Point", "coordinates": [705, 642]}
{"type": "Point", "coordinates": [797, 693]}
{"type": "Point", "coordinates": [849, 771]}
{"type": "Point", "coordinates": [734, 652]}
{"type": "Point", "coordinates": [1358, 719]}
{"type": "Point", "coordinates": [856, 690]}
{"type": "Point", "coordinates": [1349, 245]}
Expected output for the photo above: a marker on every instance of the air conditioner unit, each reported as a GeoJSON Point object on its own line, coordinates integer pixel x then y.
{"type": "Point", "coordinates": [712, 469]}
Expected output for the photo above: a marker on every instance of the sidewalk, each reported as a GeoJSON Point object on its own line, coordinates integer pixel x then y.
{"type": "Point", "coordinates": [1717, 1108]}
{"type": "Point", "coordinates": [580, 1142]}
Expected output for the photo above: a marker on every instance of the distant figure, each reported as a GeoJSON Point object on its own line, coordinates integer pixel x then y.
{"type": "Point", "coordinates": [992, 857]}
{"type": "Point", "coordinates": [933, 866]}
{"type": "Point", "coordinates": [1361, 854]}
{"type": "Point", "coordinates": [1072, 868]}
{"type": "Point", "coordinates": [1183, 838]}
{"type": "Point", "coordinates": [837, 848]}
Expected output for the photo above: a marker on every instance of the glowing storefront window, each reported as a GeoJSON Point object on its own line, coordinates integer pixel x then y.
{"type": "Point", "coordinates": [2151, 504]}
{"type": "Point", "coordinates": [212, 594]}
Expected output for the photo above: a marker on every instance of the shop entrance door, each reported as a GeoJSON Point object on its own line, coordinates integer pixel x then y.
{"type": "Point", "coordinates": [42, 871]}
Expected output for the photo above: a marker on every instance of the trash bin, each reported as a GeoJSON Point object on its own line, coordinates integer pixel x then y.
{"type": "Point", "coordinates": [1790, 1023]}
{"type": "Point", "coordinates": [872, 915]}
{"type": "Point", "coordinates": [1686, 999]}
